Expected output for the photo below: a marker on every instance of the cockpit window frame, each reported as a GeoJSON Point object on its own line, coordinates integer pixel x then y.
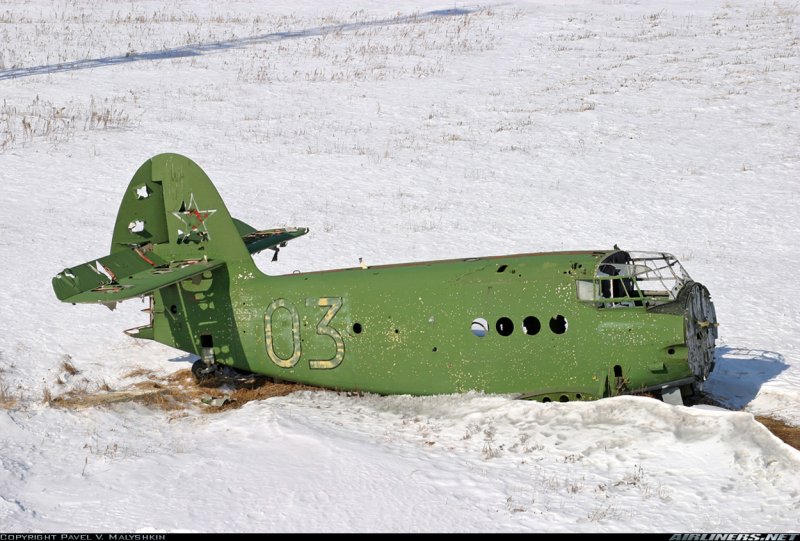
{"type": "Point", "coordinates": [633, 279]}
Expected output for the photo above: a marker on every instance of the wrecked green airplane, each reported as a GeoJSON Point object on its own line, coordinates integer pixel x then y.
{"type": "Point", "coordinates": [556, 326]}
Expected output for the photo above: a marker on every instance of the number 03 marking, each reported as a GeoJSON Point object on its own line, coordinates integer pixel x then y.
{"type": "Point", "coordinates": [333, 305]}
{"type": "Point", "coordinates": [324, 329]}
{"type": "Point", "coordinates": [296, 351]}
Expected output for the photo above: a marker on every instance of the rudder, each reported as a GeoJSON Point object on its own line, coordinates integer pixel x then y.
{"type": "Point", "coordinates": [171, 226]}
{"type": "Point", "coordinates": [171, 204]}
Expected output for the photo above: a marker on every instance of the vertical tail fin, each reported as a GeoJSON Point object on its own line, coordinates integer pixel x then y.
{"type": "Point", "coordinates": [172, 207]}
{"type": "Point", "coordinates": [172, 225]}
{"type": "Point", "coordinates": [175, 241]}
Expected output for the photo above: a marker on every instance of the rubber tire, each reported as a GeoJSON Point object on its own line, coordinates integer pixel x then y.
{"type": "Point", "coordinates": [202, 371]}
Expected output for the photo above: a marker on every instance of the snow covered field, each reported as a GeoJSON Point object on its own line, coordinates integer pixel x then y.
{"type": "Point", "coordinates": [402, 131]}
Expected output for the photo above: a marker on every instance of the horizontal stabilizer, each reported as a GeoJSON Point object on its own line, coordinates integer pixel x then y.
{"type": "Point", "coordinates": [124, 275]}
{"type": "Point", "coordinates": [257, 241]}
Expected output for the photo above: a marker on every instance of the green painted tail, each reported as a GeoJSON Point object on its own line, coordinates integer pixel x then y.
{"type": "Point", "coordinates": [171, 203]}
{"type": "Point", "coordinates": [171, 226]}
{"type": "Point", "coordinates": [175, 242]}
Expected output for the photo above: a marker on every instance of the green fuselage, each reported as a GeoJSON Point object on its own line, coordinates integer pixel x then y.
{"type": "Point", "coordinates": [409, 329]}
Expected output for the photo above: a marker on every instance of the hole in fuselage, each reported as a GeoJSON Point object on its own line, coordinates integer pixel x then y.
{"type": "Point", "coordinates": [617, 371]}
{"type": "Point", "coordinates": [563, 398]}
{"type": "Point", "coordinates": [531, 325]}
{"type": "Point", "coordinates": [357, 328]}
{"type": "Point", "coordinates": [173, 309]}
{"type": "Point", "coordinates": [546, 399]}
{"type": "Point", "coordinates": [502, 268]}
{"type": "Point", "coordinates": [559, 324]}
{"type": "Point", "coordinates": [504, 326]}
{"type": "Point", "coordinates": [206, 341]}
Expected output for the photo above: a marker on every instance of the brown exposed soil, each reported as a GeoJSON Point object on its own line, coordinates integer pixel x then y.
{"type": "Point", "coordinates": [179, 390]}
{"type": "Point", "coordinates": [788, 433]}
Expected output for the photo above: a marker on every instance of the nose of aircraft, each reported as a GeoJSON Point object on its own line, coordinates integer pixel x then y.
{"type": "Point", "coordinates": [701, 329]}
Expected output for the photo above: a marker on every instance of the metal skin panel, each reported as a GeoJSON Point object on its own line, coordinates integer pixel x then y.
{"type": "Point", "coordinates": [394, 329]}
{"type": "Point", "coordinates": [415, 336]}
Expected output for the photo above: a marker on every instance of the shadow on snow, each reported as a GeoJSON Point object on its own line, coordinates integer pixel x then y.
{"type": "Point", "coordinates": [200, 49]}
{"type": "Point", "coordinates": [740, 372]}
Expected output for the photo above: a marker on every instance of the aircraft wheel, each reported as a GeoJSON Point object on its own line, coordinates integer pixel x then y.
{"type": "Point", "coordinates": [202, 371]}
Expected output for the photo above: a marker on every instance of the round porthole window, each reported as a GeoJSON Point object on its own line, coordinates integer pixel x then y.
{"type": "Point", "coordinates": [480, 327]}
{"type": "Point", "coordinates": [531, 325]}
{"type": "Point", "coordinates": [504, 326]}
{"type": "Point", "coordinates": [559, 324]}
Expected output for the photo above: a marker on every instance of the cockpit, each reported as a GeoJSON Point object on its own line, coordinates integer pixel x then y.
{"type": "Point", "coordinates": [631, 279]}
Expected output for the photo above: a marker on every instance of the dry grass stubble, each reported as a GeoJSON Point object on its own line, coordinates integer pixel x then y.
{"type": "Point", "coordinates": [178, 391]}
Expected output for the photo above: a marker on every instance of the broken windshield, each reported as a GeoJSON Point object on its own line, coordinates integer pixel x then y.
{"type": "Point", "coordinates": [627, 279]}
